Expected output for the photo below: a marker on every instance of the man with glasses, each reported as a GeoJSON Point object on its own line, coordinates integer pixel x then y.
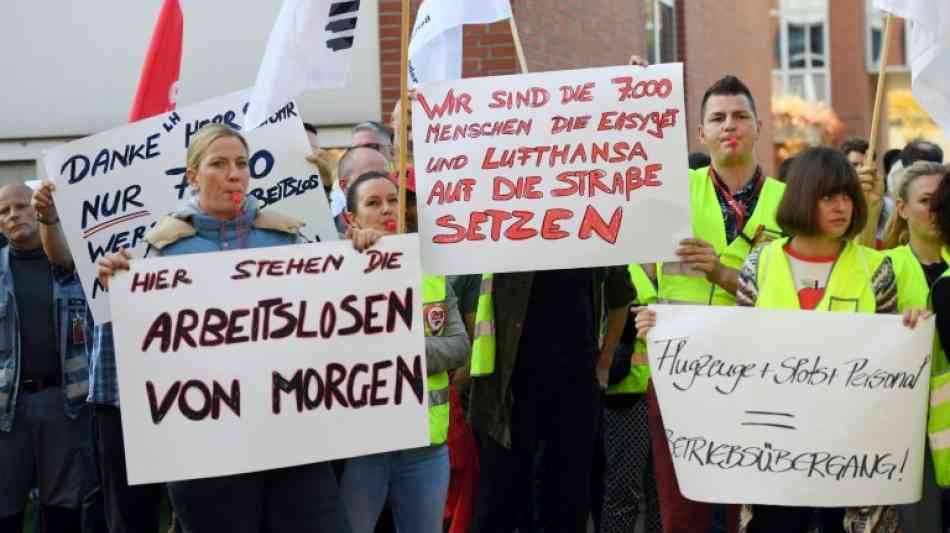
{"type": "Point", "coordinates": [372, 134]}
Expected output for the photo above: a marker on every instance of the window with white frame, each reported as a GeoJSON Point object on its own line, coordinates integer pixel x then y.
{"type": "Point", "coordinates": [874, 40]}
{"type": "Point", "coordinates": [661, 31]}
{"type": "Point", "coordinates": [801, 50]}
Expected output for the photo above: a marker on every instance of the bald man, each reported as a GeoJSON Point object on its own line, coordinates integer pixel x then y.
{"type": "Point", "coordinates": [358, 161]}
{"type": "Point", "coordinates": [45, 328]}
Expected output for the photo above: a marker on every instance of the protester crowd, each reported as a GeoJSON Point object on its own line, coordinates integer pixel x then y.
{"type": "Point", "coordinates": [542, 413]}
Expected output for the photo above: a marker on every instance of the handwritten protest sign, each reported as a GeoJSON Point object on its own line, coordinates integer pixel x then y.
{"type": "Point", "coordinates": [792, 408]}
{"type": "Point", "coordinates": [112, 187]}
{"type": "Point", "coordinates": [305, 353]}
{"type": "Point", "coordinates": [552, 170]}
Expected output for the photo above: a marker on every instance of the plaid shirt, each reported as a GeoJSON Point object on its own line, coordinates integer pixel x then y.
{"type": "Point", "coordinates": [747, 196]}
{"type": "Point", "coordinates": [103, 380]}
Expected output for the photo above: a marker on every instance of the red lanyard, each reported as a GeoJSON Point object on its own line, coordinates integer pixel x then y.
{"type": "Point", "coordinates": [738, 208]}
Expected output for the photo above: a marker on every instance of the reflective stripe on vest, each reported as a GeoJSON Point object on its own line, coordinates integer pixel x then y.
{"type": "Point", "coordinates": [433, 293]}
{"type": "Point", "coordinates": [483, 346]}
{"type": "Point", "coordinates": [677, 284]}
{"type": "Point", "coordinates": [848, 289]}
{"type": "Point", "coordinates": [938, 422]}
{"type": "Point", "coordinates": [636, 381]}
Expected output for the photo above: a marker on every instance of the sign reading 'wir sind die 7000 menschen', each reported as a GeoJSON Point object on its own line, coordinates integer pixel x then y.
{"type": "Point", "coordinates": [553, 170]}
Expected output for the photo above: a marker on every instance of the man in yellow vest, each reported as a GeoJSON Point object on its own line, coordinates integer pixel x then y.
{"type": "Point", "coordinates": [535, 394]}
{"type": "Point", "coordinates": [733, 208]}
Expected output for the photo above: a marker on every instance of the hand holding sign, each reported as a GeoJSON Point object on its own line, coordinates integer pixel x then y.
{"type": "Point", "coordinates": [110, 265]}
{"type": "Point", "coordinates": [304, 353]}
{"type": "Point", "coordinates": [760, 413]}
{"type": "Point", "coordinates": [44, 205]}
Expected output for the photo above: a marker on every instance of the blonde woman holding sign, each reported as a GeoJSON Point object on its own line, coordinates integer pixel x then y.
{"type": "Point", "coordinates": [914, 244]}
{"type": "Point", "coordinates": [819, 267]}
{"type": "Point", "coordinates": [217, 216]}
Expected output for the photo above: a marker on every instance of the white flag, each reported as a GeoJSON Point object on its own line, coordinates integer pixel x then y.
{"type": "Point", "coordinates": [928, 54]}
{"type": "Point", "coordinates": [309, 48]}
{"type": "Point", "coordinates": [435, 52]}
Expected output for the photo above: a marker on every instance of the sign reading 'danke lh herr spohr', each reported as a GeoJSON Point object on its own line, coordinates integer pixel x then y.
{"type": "Point", "coordinates": [250, 360]}
{"type": "Point", "coordinates": [829, 413]}
{"type": "Point", "coordinates": [112, 187]}
{"type": "Point", "coordinates": [553, 170]}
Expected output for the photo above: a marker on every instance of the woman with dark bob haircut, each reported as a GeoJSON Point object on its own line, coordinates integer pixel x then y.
{"type": "Point", "coordinates": [817, 267]}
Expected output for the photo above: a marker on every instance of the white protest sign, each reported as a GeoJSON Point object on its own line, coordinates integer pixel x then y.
{"type": "Point", "coordinates": [554, 170]}
{"type": "Point", "coordinates": [250, 360]}
{"type": "Point", "coordinates": [112, 187]}
{"type": "Point", "coordinates": [800, 408]}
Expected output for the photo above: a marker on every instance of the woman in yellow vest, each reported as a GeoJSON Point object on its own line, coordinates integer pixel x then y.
{"type": "Point", "coordinates": [938, 426]}
{"type": "Point", "coordinates": [819, 267]}
{"type": "Point", "coordinates": [913, 244]}
{"type": "Point", "coordinates": [416, 481]}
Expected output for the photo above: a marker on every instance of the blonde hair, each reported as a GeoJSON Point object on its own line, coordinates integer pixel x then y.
{"type": "Point", "coordinates": [199, 144]}
{"type": "Point", "coordinates": [897, 232]}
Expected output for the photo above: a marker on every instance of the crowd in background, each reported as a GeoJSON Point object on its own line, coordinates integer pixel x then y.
{"type": "Point", "coordinates": [542, 413]}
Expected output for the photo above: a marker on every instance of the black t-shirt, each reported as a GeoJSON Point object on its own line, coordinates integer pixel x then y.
{"type": "Point", "coordinates": [559, 331]}
{"type": "Point", "coordinates": [33, 288]}
{"type": "Point", "coordinates": [933, 271]}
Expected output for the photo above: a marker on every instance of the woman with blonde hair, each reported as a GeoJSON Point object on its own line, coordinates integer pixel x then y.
{"type": "Point", "coordinates": [219, 215]}
{"type": "Point", "coordinates": [913, 243]}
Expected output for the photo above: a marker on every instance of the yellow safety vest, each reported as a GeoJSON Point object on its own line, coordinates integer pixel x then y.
{"type": "Point", "coordinates": [938, 423]}
{"type": "Point", "coordinates": [914, 293]}
{"type": "Point", "coordinates": [433, 295]}
{"type": "Point", "coordinates": [849, 286]}
{"type": "Point", "coordinates": [636, 381]}
{"type": "Point", "coordinates": [483, 346]}
{"type": "Point", "coordinates": [677, 286]}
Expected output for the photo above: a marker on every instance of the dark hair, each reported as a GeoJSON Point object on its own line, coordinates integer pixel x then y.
{"type": "Point", "coordinates": [940, 207]}
{"type": "Point", "coordinates": [921, 150]}
{"type": "Point", "coordinates": [699, 160]}
{"type": "Point", "coordinates": [854, 144]}
{"type": "Point", "coordinates": [352, 191]}
{"type": "Point", "coordinates": [727, 86]}
{"type": "Point", "coordinates": [816, 173]}
{"type": "Point", "coordinates": [312, 128]}
{"type": "Point", "coordinates": [783, 169]}
{"type": "Point", "coordinates": [890, 157]}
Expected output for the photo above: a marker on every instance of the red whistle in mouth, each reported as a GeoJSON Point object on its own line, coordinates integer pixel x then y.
{"type": "Point", "coordinates": [390, 225]}
{"type": "Point", "coordinates": [236, 198]}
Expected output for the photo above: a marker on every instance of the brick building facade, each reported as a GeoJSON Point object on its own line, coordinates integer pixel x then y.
{"type": "Point", "coordinates": [570, 34]}
{"type": "Point", "coordinates": [555, 35]}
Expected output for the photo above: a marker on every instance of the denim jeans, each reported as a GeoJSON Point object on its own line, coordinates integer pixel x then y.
{"type": "Point", "coordinates": [416, 482]}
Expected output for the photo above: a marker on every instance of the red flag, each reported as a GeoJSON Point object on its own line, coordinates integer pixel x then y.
{"type": "Point", "coordinates": [159, 81]}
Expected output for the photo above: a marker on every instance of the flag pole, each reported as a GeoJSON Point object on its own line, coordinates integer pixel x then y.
{"type": "Point", "coordinates": [879, 96]}
{"type": "Point", "coordinates": [519, 50]}
{"type": "Point", "coordinates": [403, 115]}
{"type": "Point", "coordinates": [868, 235]}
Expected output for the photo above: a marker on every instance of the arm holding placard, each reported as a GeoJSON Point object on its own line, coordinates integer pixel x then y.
{"type": "Point", "coordinates": [109, 265]}
{"type": "Point", "coordinates": [450, 350]}
{"type": "Point", "coordinates": [51, 231]}
{"type": "Point", "coordinates": [700, 255]}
